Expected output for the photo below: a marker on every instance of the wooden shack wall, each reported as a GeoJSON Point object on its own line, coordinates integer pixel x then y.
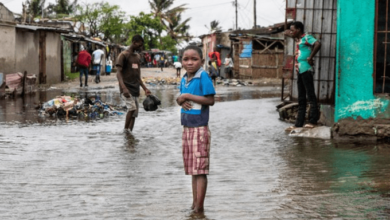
{"type": "Point", "coordinates": [245, 64]}
{"type": "Point", "coordinates": [267, 65]}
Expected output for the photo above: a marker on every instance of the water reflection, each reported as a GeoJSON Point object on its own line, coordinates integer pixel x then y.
{"type": "Point", "coordinates": [58, 169]}
{"type": "Point", "coordinates": [23, 109]}
{"type": "Point", "coordinates": [350, 179]}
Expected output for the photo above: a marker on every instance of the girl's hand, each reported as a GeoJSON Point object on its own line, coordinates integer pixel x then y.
{"type": "Point", "coordinates": [186, 106]}
{"type": "Point", "coordinates": [181, 99]}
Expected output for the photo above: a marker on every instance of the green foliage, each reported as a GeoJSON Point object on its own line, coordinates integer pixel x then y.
{"type": "Point", "coordinates": [35, 7]}
{"type": "Point", "coordinates": [102, 19]}
{"type": "Point", "coordinates": [167, 43]}
{"type": "Point", "coordinates": [162, 8]}
{"type": "Point", "coordinates": [147, 26]}
{"type": "Point", "coordinates": [150, 28]}
{"type": "Point", "coordinates": [171, 18]}
{"type": "Point", "coordinates": [71, 76]}
{"type": "Point", "coordinates": [108, 21]}
{"type": "Point", "coordinates": [111, 23]}
{"type": "Point", "coordinates": [177, 29]}
{"type": "Point", "coordinates": [89, 15]}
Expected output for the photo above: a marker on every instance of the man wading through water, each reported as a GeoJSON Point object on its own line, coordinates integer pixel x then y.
{"type": "Point", "coordinates": [129, 78]}
{"type": "Point", "coordinates": [304, 54]}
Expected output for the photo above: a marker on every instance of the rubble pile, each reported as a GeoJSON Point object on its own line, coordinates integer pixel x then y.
{"type": "Point", "coordinates": [87, 108]}
{"type": "Point", "coordinates": [161, 80]}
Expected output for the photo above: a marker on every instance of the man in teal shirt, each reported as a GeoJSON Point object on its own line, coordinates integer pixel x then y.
{"type": "Point", "coordinates": [306, 48]}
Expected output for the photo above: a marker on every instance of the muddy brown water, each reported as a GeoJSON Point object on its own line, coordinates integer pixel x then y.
{"type": "Point", "coordinates": [58, 169]}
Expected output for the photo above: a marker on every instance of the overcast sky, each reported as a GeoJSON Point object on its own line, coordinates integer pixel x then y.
{"type": "Point", "coordinates": [202, 12]}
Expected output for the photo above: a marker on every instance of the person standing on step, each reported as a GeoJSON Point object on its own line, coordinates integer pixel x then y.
{"type": "Point", "coordinates": [306, 48]}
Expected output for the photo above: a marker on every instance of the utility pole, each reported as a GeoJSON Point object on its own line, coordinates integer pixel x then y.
{"type": "Point", "coordinates": [236, 15]}
{"type": "Point", "coordinates": [254, 13]}
{"type": "Point", "coordinates": [42, 7]}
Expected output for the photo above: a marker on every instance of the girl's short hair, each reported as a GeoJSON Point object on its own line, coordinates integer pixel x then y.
{"type": "Point", "coordinates": [197, 49]}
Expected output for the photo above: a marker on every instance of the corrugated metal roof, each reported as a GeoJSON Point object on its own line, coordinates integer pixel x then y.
{"type": "Point", "coordinates": [77, 38]}
{"type": "Point", "coordinates": [35, 28]}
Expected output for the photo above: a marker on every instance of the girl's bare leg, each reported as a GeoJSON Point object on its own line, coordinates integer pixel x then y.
{"type": "Point", "coordinates": [201, 183]}
{"type": "Point", "coordinates": [194, 191]}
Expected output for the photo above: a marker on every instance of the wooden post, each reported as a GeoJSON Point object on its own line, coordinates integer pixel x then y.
{"type": "Point", "coordinates": [24, 83]}
{"type": "Point", "coordinates": [42, 57]}
{"type": "Point", "coordinates": [62, 61]}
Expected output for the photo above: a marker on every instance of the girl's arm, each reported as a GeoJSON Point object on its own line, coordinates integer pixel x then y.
{"type": "Point", "coordinates": [202, 100]}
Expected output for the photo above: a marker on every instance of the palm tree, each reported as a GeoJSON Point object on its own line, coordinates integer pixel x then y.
{"type": "Point", "coordinates": [163, 10]}
{"type": "Point", "coordinates": [176, 28]}
{"type": "Point", "coordinates": [214, 26]}
{"type": "Point", "coordinates": [62, 7]}
{"type": "Point", "coordinates": [35, 7]}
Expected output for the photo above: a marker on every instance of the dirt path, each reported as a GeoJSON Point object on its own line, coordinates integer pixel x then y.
{"type": "Point", "coordinates": [111, 80]}
{"type": "Point", "coordinates": [148, 75]}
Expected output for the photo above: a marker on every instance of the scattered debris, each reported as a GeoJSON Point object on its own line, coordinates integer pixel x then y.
{"type": "Point", "coordinates": [231, 82]}
{"type": "Point", "coordinates": [161, 81]}
{"type": "Point", "coordinates": [88, 108]}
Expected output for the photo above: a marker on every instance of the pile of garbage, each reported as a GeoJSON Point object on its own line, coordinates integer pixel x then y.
{"type": "Point", "coordinates": [86, 108]}
{"type": "Point", "coordinates": [231, 82]}
{"type": "Point", "coordinates": [161, 81]}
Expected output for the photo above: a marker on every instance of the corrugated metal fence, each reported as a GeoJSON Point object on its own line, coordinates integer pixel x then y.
{"type": "Point", "coordinates": [319, 18]}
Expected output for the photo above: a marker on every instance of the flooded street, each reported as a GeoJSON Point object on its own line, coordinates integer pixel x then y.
{"type": "Point", "coordinates": [58, 169]}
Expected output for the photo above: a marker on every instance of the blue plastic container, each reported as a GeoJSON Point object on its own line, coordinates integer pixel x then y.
{"type": "Point", "coordinates": [108, 70]}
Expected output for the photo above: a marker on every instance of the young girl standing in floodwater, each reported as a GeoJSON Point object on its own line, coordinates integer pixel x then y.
{"type": "Point", "coordinates": [196, 95]}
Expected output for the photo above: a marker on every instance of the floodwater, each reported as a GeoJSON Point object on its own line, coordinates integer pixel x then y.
{"type": "Point", "coordinates": [71, 169]}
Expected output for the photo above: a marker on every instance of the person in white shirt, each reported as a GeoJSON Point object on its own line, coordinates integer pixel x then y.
{"type": "Point", "coordinates": [97, 57]}
{"type": "Point", "coordinates": [228, 67]}
{"type": "Point", "coordinates": [178, 68]}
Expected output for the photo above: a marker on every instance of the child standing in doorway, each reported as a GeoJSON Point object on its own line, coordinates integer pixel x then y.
{"type": "Point", "coordinates": [196, 96]}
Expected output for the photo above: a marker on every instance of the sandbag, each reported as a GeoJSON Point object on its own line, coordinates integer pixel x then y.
{"type": "Point", "coordinates": [151, 103]}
